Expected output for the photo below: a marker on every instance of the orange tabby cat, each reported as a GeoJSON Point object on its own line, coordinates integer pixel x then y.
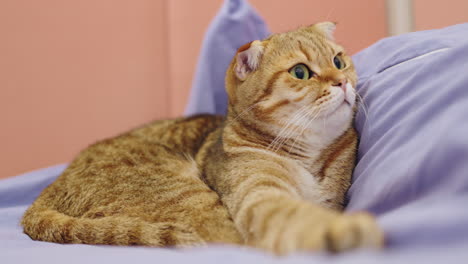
{"type": "Point", "coordinates": [272, 174]}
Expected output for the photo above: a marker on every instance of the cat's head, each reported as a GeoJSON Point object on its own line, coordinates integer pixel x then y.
{"type": "Point", "coordinates": [299, 78]}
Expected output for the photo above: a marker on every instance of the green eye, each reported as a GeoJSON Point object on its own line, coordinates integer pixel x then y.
{"type": "Point", "coordinates": [338, 61]}
{"type": "Point", "coordinates": [300, 71]}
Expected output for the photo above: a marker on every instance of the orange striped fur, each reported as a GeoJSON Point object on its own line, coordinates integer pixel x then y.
{"type": "Point", "coordinates": [271, 174]}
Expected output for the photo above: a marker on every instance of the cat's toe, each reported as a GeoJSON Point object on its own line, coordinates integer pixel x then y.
{"type": "Point", "coordinates": [358, 230]}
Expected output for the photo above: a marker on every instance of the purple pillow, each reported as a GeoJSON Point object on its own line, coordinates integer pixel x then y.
{"type": "Point", "coordinates": [413, 152]}
{"type": "Point", "coordinates": [235, 24]}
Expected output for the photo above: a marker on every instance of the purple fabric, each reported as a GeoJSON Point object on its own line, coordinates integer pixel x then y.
{"type": "Point", "coordinates": [236, 24]}
{"type": "Point", "coordinates": [17, 193]}
{"type": "Point", "coordinates": [412, 155]}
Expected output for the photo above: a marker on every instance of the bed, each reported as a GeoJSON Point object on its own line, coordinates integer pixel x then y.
{"type": "Point", "coordinates": [412, 171]}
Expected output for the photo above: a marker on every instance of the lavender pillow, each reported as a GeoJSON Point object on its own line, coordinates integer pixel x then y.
{"type": "Point", "coordinates": [235, 24]}
{"type": "Point", "coordinates": [413, 152]}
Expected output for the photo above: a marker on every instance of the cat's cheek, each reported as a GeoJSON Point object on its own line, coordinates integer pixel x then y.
{"type": "Point", "coordinates": [350, 95]}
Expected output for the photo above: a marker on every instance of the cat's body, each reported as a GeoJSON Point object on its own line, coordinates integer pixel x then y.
{"type": "Point", "coordinates": [272, 174]}
{"type": "Point", "coordinates": [140, 188]}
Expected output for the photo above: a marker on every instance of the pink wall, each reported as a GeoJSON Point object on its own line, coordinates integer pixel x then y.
{"type": "Point", "coordinates": [188, 21]}
{"type": "Point", "coordinates": [360, 22]}
{"type": "Point", "coordinates": [73, 72]}
{"type": "Point", "coordinates": [430, 14]}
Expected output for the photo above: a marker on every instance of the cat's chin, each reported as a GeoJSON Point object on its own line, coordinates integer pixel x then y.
{"type": "Point", "coordinates": [340, 109]}
{"type": "Point", "coordinates": [340, 117]}
{"type": "Point", "coordinates": [341, 103]}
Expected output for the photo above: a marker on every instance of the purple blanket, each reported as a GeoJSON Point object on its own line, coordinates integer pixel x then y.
{"type": "Point", "coordinates": [413, 155]}
{"type": "Point", "coordinates": [17, 193]}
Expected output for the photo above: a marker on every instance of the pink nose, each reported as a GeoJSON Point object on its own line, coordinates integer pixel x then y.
{"type": "Point", "coordinates": [341, 83]}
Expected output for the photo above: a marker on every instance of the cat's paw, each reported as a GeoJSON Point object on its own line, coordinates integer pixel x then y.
{"type": "Point", "coordinates": [358, 230]}
{"type": "Point", "coordinates": [333, 233]}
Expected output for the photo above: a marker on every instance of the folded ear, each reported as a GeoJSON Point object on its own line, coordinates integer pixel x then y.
{"type": "Point", "coordinates": [248, 59]}
{"type": "Point", "coordinates": [327, 28]}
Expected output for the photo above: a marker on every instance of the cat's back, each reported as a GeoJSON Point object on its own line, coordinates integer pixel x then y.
{"type": "Point", "coordinates": [159, 143]}
{"type": "Point", "coordinates": [158, 139]}
{"type": "Point", "coordinates": [136, 165]}
{"type": "Point", "coordinates": [148, 174]}
{"type": "Point", "coordinates": [174, 131]}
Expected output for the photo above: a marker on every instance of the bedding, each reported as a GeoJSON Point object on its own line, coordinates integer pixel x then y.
{"type": "Point", "coordinates": [413, 153]}
{"type": "Point", "coordinates": [235, 24]}
{"type": "Point", "coordinates": [17, 193]}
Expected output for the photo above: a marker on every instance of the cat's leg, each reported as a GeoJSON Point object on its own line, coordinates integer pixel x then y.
{"type": "Point", "coordinates": [268, 209]}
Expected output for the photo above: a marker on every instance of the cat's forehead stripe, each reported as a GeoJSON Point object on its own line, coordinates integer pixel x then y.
{"type": "Point", "coordinates": [303, 50]}
{"type": "Point", "coordinates": [319, 43]}
{"type": "Point", "coordinates": [312, 47]}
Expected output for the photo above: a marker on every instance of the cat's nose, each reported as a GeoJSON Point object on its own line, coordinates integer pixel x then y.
{"type": "Point", "coordinates": [341, 83]}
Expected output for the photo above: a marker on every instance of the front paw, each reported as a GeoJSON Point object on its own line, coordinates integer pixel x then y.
{"type": "Point", "coordinates": [331, 232]}
{"type": "Point", "coordinates": [358, 230]}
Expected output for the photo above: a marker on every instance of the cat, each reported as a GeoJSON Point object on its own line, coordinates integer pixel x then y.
{"type": "Point", "coordinates": [272, 174]}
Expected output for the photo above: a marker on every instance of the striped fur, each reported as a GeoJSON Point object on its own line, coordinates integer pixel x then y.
{"type": "Point", "coordinates": [272, 174]}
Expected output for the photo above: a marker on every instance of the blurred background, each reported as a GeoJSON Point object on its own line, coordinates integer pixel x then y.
{"type": "Point", "coordinates": [73, 72]}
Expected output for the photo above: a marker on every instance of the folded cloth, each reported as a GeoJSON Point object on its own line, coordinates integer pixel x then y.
{"type": "Point", "coordinates": [413, 152]}
{"type": "Point", "coordinates": [236, 23]}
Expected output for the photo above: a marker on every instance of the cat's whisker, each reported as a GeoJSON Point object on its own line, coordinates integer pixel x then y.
{"type": "Point", "coordinates": [278, 136]}
{"type": "Point", "coordinates": [315, 115]}
{"type": "Point", "coordinates": [291, 131]}
{"type": "Point", "coordinates": [330, 13]}
{"type": "Point", "coordinates": [303, 128]}
{"type": "Point", "coordinates": [362, 104]}
{"type": "Point", "coordinates": [284, 136]}
{"type": "Point", "coordinates": [285, 133]}
{"type": "Point", "coordinates": [243, 113]}
{"type": "Point", "coordinates": [285, 129]}
{"type": "Point", "coordinates": [297, 115]}
{"type": "Point", "coordinates": [324, 124]}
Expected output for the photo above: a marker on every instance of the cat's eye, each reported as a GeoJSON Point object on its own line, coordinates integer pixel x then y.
{"type": "Point", "coordinates": [300, 71]}
{"type": "Point", "coordinates": [339, 62]}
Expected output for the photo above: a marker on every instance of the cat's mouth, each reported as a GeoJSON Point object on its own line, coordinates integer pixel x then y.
{"type": "Point", "coordinates": [341, 101]}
